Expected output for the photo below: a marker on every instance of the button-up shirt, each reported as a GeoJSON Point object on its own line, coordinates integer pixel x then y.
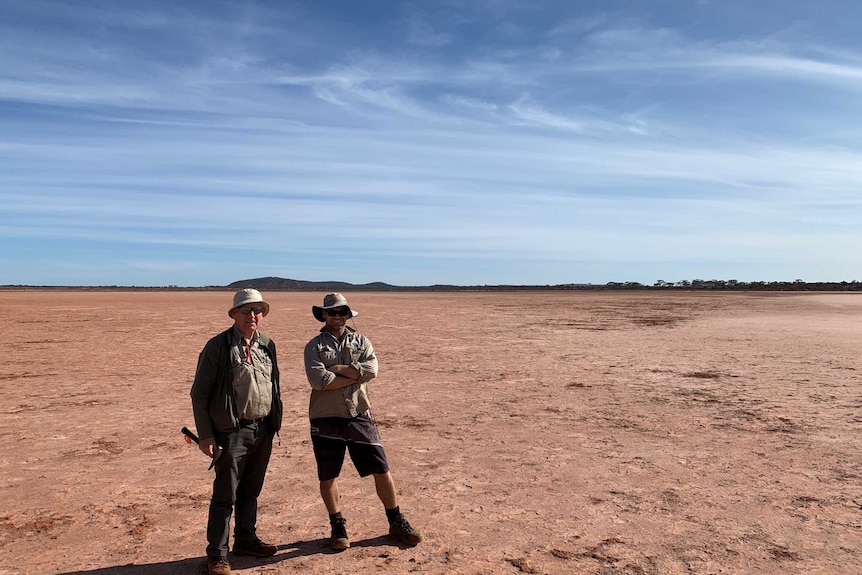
{"type": "Point", "coordinates": [252, 376]}
{"type": "Point", "coordinates": [324, 351]}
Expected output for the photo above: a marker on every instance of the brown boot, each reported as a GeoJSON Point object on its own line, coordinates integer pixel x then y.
{"type": "Point", "coordinates": [256, 548]}
{"type": "Point", "coordinates": [218, 566]}
{"type": "Point", "coordinates": [338, 539]}
{"type": "Point", "coordinates": [404, 532]}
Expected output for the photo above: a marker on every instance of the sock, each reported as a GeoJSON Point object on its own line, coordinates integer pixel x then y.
{"type": "Point", "coordinates": [392, 514]}
{"type": "Point", "coordinates": [336, 517]}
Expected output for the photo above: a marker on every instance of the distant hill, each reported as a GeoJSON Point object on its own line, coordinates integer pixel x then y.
{"type": "Point", "coordinates": [282, 284]}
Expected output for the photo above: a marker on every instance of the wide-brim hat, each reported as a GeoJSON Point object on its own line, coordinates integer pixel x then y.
{"type": "Point", "coordinates": [330, 301]}
{"type": "Point", "coordinates": [245, 297]}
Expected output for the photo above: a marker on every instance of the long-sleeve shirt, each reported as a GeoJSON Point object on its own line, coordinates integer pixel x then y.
{"type": "Point", "coordinates": [324, 351]}
{"type": "Point", "coordinates": [212, 393]}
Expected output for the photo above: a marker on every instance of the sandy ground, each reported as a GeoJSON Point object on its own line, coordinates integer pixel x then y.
{"type": "Point", "coordinates": [548, 433]}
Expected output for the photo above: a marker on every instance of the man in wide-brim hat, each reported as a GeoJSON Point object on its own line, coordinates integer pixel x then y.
{"type": "Point", "coordinates": [339, 362]}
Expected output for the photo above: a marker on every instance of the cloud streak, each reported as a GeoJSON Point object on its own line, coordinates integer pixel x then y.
{"type": "Point", "coordinates": [456, 147]}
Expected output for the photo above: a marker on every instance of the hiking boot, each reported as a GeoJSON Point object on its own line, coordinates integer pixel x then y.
{"type": "Point", "coordinates": [257, 548]}
{"type": "Point", "coordinates": [218, 566]}
{"type": "Point", "coordinates": [403, 532]}
{"type": "Point", "coordinates": [338, 539]}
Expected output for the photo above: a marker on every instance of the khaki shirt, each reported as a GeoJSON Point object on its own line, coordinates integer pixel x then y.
{"type": "Point", "coordinates": [252, 377]}
{"type": "Point", "coordinates": [324, 351]}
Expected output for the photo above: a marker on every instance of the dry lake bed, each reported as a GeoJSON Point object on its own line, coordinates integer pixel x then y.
{"type": "Point", "coordinates": [529, 432]}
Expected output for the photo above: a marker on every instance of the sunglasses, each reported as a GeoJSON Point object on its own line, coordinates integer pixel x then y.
{"type": "Point", "coordinates": [245, 310]}
{"type": "Point", "coordinates": [337, 312]}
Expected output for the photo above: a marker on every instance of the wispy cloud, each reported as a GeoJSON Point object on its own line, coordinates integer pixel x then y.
{"type": "Point", "coordinates": [500, 145]}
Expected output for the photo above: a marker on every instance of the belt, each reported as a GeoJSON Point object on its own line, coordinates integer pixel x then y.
{"type": "Point", "coordinates": [245, 422]}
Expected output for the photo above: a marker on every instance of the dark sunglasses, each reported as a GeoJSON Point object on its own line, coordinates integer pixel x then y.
{"type": "Point", "coordinates": [337, 313]}
{"type": "Point", "coordinates": [245, 310]}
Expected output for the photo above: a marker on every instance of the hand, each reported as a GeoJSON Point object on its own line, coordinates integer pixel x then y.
{"type": "Point", "coordinates": [207, 446]}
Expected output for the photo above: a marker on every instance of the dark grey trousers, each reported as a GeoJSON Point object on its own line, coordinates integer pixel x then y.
{"type": "Point", "coordinates": [240, 471]}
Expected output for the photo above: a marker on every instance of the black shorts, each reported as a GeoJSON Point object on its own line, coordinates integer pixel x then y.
{"type": "Point", "coordinates": [330, 436]}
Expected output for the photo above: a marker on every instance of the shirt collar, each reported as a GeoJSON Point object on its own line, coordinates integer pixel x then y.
{"type": "Point", "coordinates": [238, 337]}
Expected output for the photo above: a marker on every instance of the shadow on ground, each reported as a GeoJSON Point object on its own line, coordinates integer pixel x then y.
{"type": "Point", "coordinates": [198, 566]}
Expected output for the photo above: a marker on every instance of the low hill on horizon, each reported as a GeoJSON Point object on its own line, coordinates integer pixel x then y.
{"type": "Point", "coordinates": [284, 284]}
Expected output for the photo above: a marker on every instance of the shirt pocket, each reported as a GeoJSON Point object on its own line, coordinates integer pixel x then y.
{"type": "Point", "coordinates": [328, 356]}
{"type": "Point", "coordinates": [354, 347]}
{"type": "Point", "coordinates": [236, 359]}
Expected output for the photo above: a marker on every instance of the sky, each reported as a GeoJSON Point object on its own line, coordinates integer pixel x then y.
{"type": "Point", "coordinates": [486, 142]}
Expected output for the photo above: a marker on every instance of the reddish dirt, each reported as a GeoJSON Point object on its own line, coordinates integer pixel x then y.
{"type": "Point", "coordinates": [529, 432]}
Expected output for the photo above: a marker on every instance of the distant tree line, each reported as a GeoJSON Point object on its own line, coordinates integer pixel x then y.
{"type": "Point", "coordinates": [735, 285]}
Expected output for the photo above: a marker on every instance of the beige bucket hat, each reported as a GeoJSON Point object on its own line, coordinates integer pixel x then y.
{"type": "Point", "coordinates": [248, 296]}
{"type": "Point", "coordinates": [330, 301]}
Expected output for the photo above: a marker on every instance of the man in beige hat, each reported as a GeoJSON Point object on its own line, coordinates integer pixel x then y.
{"type": "Point", "coordinates": [339, 362]}
{"type": "Point", "coordinates": [237, 408]}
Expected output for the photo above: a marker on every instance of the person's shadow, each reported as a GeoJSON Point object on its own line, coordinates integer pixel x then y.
{"type": "Point", "coordinates": [198, 565]}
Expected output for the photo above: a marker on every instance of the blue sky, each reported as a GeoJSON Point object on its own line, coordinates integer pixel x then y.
{"type": "Point", "coordinates": [488, 142]}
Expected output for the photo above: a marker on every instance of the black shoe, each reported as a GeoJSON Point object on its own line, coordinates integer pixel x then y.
{"type": "Point", "coordinates": [338, 539]}
{"type": "Point", "coordinates": [256, 548]}
{"type": "Point", "coordinates": [403, 532]}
